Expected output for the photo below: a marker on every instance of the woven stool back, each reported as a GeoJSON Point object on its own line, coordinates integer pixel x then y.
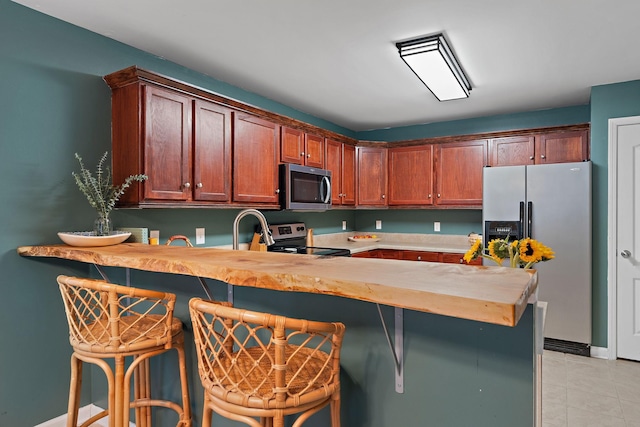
{"type": "Point", "coordinates": [264, 361]}
{"type": "Point", "coordinates": [106, 318]}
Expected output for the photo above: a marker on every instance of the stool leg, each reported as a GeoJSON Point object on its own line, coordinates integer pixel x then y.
{"type": "Point", "coordinates": [75, 385]}
{"type": "Point", "coordinates": [207, 412]}
{"type": "Point", "coordinates": [335, 411]}
{"type": "Point", "coordinates": [142, 390]}
{"type": "Point", "coordinates": [121, 419]}
{"type": "Point", "coordinates": [184, 384]}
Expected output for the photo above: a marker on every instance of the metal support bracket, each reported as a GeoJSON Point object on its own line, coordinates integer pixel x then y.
{"type": "Point", "coordinates": [102, 273]}
{"type": "Point", "coordinates": [204, 285]}
{"type": "Point", "coordinates": [397, 346]}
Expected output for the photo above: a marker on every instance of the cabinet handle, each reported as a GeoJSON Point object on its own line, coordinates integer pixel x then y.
{"type": "Point", "coordinates": [429, 196]}
{"type": "Point", "coordinates": [383, 196]}
{"type": "Point", "coordinates": [461, 261]}
{"type": "Point", "coordinates": [302, 154]}
{"type": "Point", "coordinates": [187, 185]}
{"type": "Point", "coordinates": [438, 195]}
{"type": "Point", "coordinates": [277, 191]}
{"type": "Point", "coordinates": [308, 156]}
{"type": "Point", "coordinates": [199, 185]}
{"type": "Point", "coordinates": [531, 158]}
{"type": "Point", "coordinates": [542, 156]}
{"type": "Point", "coordinates": [419, 258]}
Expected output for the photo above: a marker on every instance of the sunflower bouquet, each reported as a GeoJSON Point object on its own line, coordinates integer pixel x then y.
{"type": "Point", "coordinates": [520, 253]}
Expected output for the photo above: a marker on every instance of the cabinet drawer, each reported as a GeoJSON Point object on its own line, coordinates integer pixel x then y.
{"type": "Point", "coordinates": [421, 256]}
{"type": "Point", "coordinates": [452, 258]}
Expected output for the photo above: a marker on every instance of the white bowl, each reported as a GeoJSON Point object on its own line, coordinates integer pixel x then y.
{"type": "Point", "coordinates": [88, 238]}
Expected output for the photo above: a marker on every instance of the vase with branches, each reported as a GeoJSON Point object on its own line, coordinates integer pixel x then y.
{"type": "Point", "coordinates": [100, 191]}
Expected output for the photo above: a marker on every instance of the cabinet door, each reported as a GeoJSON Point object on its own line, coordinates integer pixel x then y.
{"type": "Point", "coordinates": [459, 173]}
{"type": "Point", "coordinates": [292, 146]}
{"type": "Point", "coordinates": [255, 159]}
{"type": "Point", "coordinates": [333, 163]}
{"type": "Point", "coordinates": [314, 151]}
{"type": "Point", "coordinates": [512, 151]}
{"type": "Point", "coordinates": [563, 147]}
{"type": "Point", "coordinates": [372, 176]}
{"type": "Point", "coordinates": [348, 175]}
{"type": "Point", "coordinates": [212, 152]}
{"type": "Point", "coordinates": [167, 144]}
{"type": "Point", "coordinates": [411, 175]}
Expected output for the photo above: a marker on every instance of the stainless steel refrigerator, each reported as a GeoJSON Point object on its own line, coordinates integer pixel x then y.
{"type": "Point", "coordinates": [552, 204]}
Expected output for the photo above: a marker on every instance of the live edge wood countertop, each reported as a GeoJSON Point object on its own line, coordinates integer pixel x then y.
{"type": "Point", "coordinates": [496, 295]}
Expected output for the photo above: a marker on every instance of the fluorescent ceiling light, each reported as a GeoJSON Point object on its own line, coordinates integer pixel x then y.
{"type": "Point", "coordinates": [431, 59]}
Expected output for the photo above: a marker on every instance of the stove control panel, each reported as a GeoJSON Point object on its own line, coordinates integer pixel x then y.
{"type": "Point", "coordinates": [294, 230]}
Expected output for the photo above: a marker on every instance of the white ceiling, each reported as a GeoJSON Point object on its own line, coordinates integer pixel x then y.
{"type": "Point", "coordinates": [337, 60]}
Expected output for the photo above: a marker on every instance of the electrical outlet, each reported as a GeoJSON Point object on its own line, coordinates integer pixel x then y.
{"type": "Point", "coordinates": [344, 225]}
{"type": "Point", "coordinates": [436, 226]}
{"type": "Point", "coordinates": [199, 236]}
{"type": "Point", "coordinates": [378, 224]}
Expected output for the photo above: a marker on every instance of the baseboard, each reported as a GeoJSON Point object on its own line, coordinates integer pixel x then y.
{"type": "Point", "coordinates": [600, 352]}
{"type": "Point", "coordinates": [84, 414]}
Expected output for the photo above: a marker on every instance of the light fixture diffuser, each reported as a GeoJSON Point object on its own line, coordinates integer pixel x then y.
{"type": "Point", "coordinates": [431, 59]}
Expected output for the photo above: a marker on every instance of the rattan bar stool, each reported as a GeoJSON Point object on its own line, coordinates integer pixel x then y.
{"type": "Point", "coordinates": [258, 367]}
{"type": "Point", "coordinates": [108, 321]}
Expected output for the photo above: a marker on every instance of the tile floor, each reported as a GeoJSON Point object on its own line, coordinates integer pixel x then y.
{"type": "Point", "coordinates": [588, 392]}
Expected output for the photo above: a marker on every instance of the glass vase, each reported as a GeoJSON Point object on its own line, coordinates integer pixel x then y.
{"type": "Point", "coordinates": [102, 226]}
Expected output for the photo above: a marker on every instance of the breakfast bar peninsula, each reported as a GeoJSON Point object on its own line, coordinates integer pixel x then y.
{"type": "Point", "coordinates": [469, 335]}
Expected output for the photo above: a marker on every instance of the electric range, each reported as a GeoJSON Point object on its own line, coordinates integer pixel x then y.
{"type": "Point", "coordinates": [291, 238]}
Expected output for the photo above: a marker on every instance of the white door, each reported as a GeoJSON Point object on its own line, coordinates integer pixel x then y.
{"type": "Point", "coordinates": [627, 256]}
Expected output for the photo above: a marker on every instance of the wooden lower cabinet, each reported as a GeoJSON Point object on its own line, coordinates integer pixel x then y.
{"type": "Point", "coordinates": [424, 256]}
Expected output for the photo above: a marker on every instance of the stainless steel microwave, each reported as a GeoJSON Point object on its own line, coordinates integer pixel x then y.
{"type": "Point", "coordinates": [304, 189]}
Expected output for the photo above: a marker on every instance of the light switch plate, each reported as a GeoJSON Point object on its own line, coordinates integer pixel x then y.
{"type": "Point", "coordinates": [199, 236]}
{"type": "Point", "coordinates": [344, 225]}
{"type": "Point", "coordinates": [378, 224]}
{"type": "Point", "coordinates": [436, 226]}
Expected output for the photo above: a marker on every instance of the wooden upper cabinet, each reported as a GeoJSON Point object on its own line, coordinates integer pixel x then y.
{"type": "Point", "coordinates": [459, 173]}
{"type": "Point", "coordinates": [555, 147]}
{"type": "Point", "coordinates": [301, 148]}
{"type": "Point", "coordinates": [411, 175]}
{"type": "Point", "coordinates": [372, 176]}
{"type": "Point", "coordinates": [512, 151]}
{"type": "Point", "coordinates": [291, 145]}
{"type": "Point", "coordinates": [562, 147]}
{"type": "Point", "coordinates": [212, 152]}
{"type": "Point", "coordinates": [314, 150]}
{"type": "Point", "coordinates": [167, 144]}
{"type": "Point", "coordinates": [348, 175]}
{"type": "Point", "coordinates": [255, 159]}
{"type": "Point", "coordinates": [340, 159]}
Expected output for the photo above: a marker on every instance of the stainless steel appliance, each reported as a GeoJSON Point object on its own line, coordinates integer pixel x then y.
{"type": "Point", "coordinates": [304, 188]}
{"type": "Point", "coordinates": [291, 238]}
{"type": "Point", "coordinates": [552, 204]}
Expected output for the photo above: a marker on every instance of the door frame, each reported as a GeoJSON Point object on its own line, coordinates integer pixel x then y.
{"type": "Point", "coordinates": [612, 219]}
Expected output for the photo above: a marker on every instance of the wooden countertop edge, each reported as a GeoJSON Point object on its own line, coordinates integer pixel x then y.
{"type": "Point", "coordinates": [278, 275]}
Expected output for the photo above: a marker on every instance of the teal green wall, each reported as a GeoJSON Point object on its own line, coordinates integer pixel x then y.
{"type": "Point", "coordinates": [533, 119]}
{"type": "Point", "coordinates": [615, 100]}
{"type": "Point", "coordinates": [53, 103]}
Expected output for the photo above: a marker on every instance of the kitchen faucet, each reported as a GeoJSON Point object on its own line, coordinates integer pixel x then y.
{"type": "Point", "coordinates": [266, 234]}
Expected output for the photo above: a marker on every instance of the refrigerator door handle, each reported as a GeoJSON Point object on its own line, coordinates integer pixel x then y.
{"type": "Point", "coordinates": [522, 232]}
{"type": "Point", "coordinates": [529, 219]}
